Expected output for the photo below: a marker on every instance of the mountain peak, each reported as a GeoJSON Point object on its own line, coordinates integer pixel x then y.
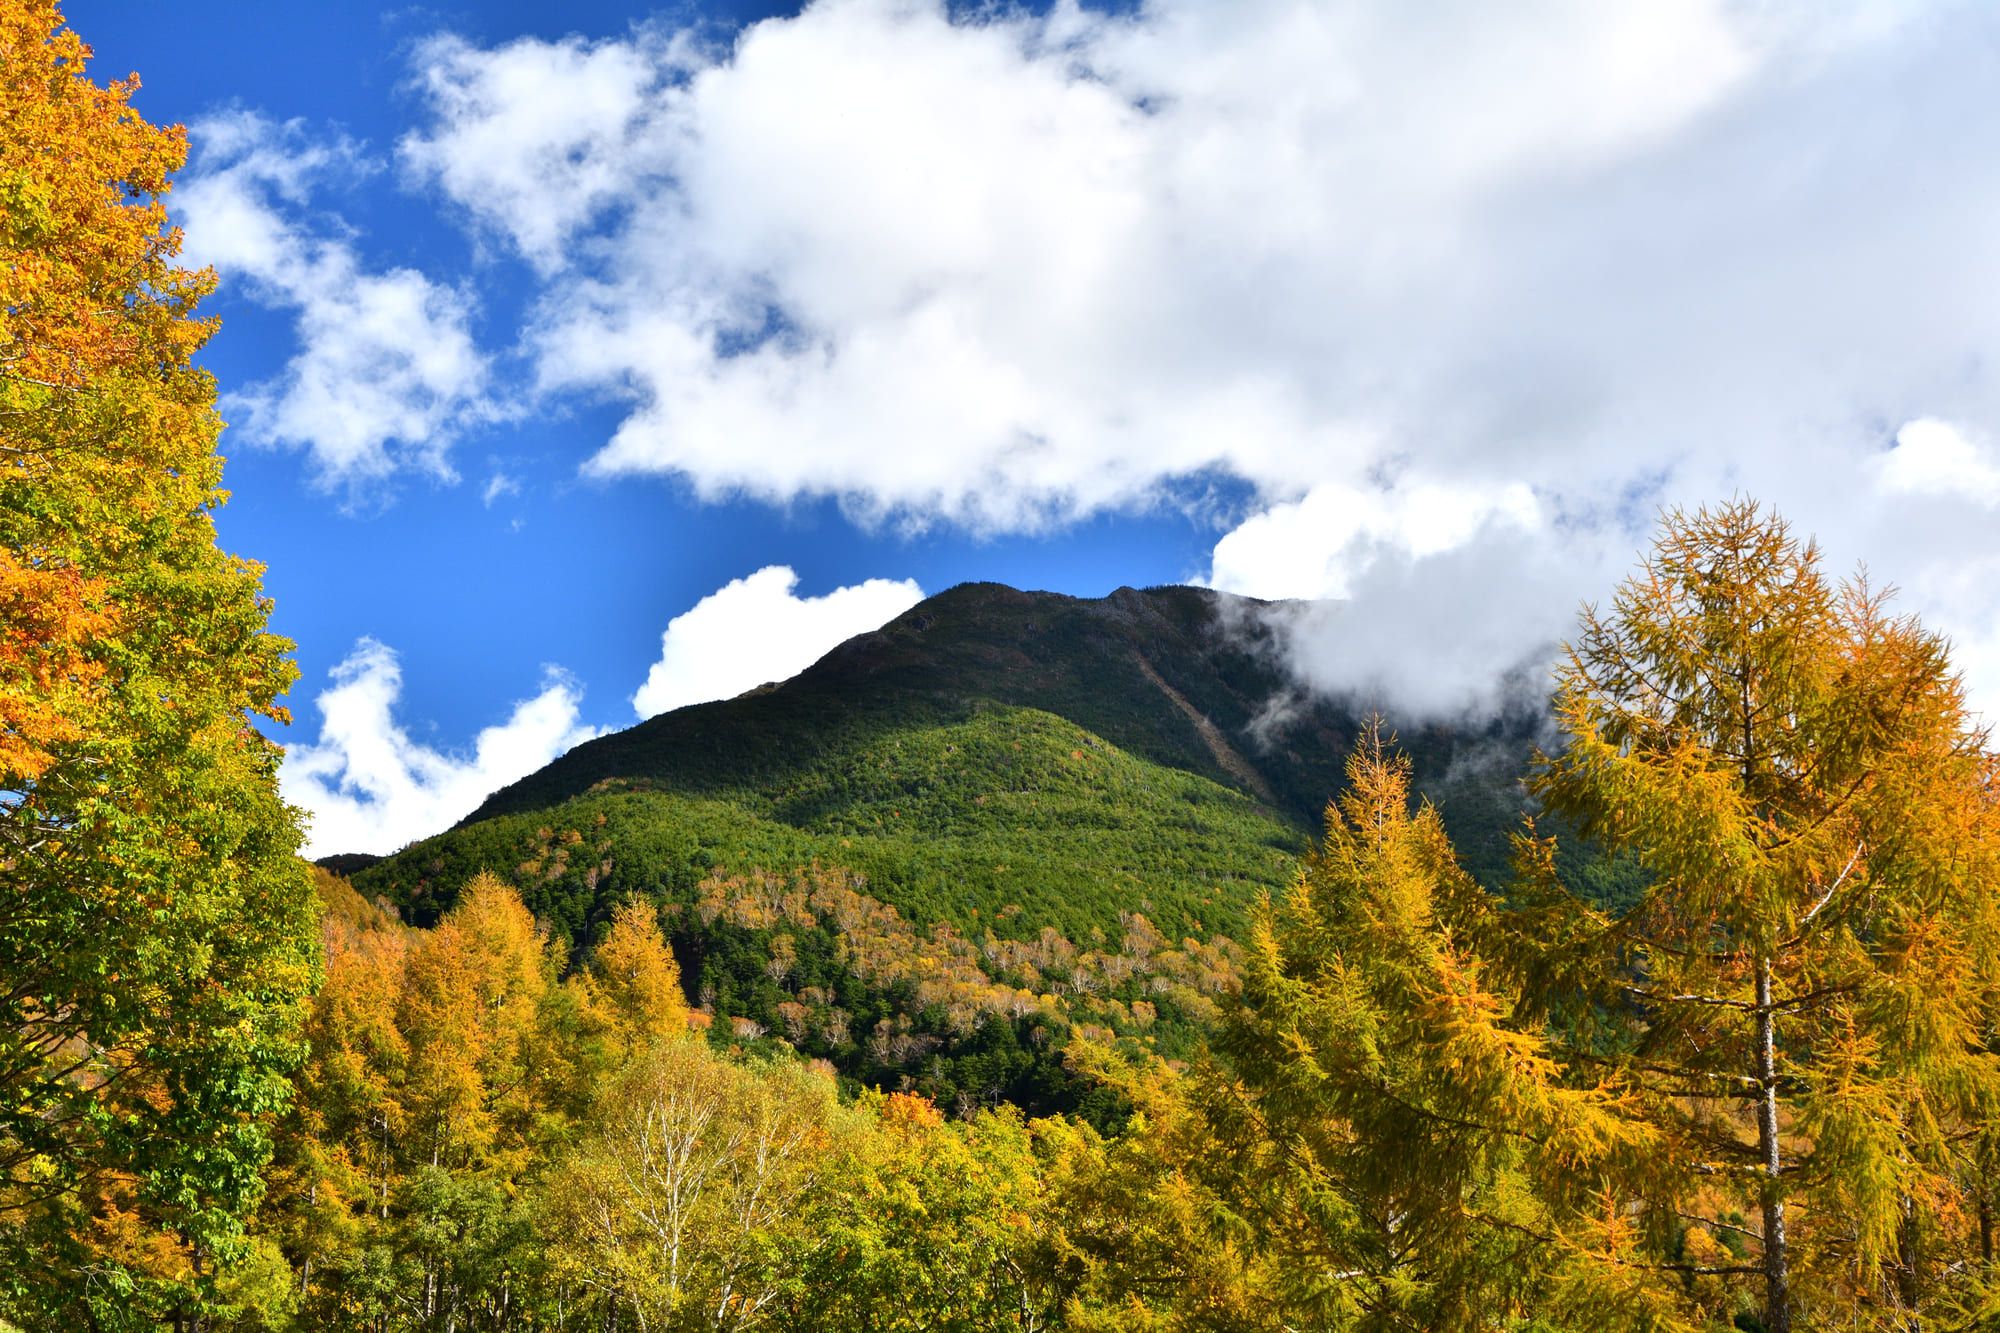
{"type": "Point", "coordinates": [1185, 677]}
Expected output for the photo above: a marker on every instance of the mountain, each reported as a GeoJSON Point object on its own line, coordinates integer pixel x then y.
{"type": "Point", "coordinates": [1003, 805]}
{"type": "Point", "coordinates": [1184, 678]}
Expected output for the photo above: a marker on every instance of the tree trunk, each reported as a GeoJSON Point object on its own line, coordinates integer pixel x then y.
{"type": "Point", "coordinates": [1908, 1292]}
{"type": "Point", "coordinates": [306, 1269]}
{"type": "Point", "coordinates": [1777, 1272]}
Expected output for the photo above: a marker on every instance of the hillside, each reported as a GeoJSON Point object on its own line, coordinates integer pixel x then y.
{"type": "Point", "coordinates": [898, 740]}
{"type": "Point", "coordinates": [1184, 678]}
{"type": "Point", "coordinates": [1010, 818]}
{"type": "Point", "coordinates": [1045, 810]}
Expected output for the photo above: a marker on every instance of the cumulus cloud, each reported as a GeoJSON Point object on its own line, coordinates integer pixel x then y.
{"type": "Point", "coordinates": [542, 132]}
{"type": "Point", "coordinates": [1932, 457]}
{"type": "Point", "coordinates": [1314, 547]}
{"type": "Point", "coordinates": [1011, 269]}
{"type": "Point", "coordinates": [1447, 287]}
{"type": "Point", "coordinates": [757, 629]}
{"type": "Point", "coordinates": [370, 788]}
{"type": "Point", "coordinates": [386, 369]}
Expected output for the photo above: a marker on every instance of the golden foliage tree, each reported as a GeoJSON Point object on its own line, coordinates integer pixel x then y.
{"type": "Point", "coordinates": [1400, 1148]}
{"type": "Point", "coordinates": [155, 926]}
{"type": "Point", "coordinates": [634, 992]}
{"type": "Point", "coordinates": [1800, 1002]}
{"type": "Point", "coordinates": [937, 1224]}
{"type": "Point", "coordinates": [1765, 1092]}
{"type": "Point", "coordinates": [472, 996]}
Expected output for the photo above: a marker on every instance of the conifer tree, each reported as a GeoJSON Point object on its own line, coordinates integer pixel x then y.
{"type": "Point", "coordinates": [634, 994]}
{"type": "Point", "coordinates": [1798, 1005]}
{"type": "Point", "coordinates": [1404, 1151]}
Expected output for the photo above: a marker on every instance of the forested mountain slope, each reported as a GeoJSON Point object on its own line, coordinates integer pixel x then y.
{"type": "Point", "coordinates": [1039, 809]}
{"type": "Point", "coordinates": [1152, 736]}
{"type": "Point", "coordinates": [1184, 678]}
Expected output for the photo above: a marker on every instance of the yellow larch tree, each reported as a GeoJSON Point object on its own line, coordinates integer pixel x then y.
{"type": "Point", "coordinates": [633, 991]}
{"type": "Point", "coordinates": [1800, 1003]}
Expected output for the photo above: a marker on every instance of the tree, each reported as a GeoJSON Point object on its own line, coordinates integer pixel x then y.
{"type": "Point", "coordinates": [155, 925]}
{"type": "Point", "coordinates": [1765, 1092]}
{"type": "Point", "coordinates": [1799, 1004]}
{"type": "Point", "coordinates": [431, 1106]}
{"type": "Point", "coordinates": [934, 1226]}
{"type": "Point", "coordinates": [472, 999]}
{"type": "Point", "coordinates": [1398, 1148]}
{"type": "Point", "coordinates": [332, 1174]}
{"type": "Point", "coordinates": [691, 1202]}
{"type": "Point", "coordinates": [634, 996]}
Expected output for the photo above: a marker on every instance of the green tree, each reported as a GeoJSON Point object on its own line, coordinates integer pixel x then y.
{"type": "Point", "coordinates": [933, 1226]}
{"type": "Point", "coordinates": [1799, 1003]}
{"type": "Point", "coordinates": [155, 924]}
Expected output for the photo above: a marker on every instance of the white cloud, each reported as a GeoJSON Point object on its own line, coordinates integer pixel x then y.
{"type": "Point", "coordinates": [1315, 546]}
{"type": "Point", "coordinates": [757, 629]}
{"type": "Point", "coordinates": [544, 130]}
{"type": "Point", "coordinates": [1548, 264]}
{"type": "Point", "coordinates": [1013, 269]}
{"type": "Point", "coordinates": [497, 485]}
{"type": "Point", "coordinates": [1932, 457]}
{"type": "Point", "coordinates": [370, 788]}
{"type": "Point", "coordinates": [1423, 595]}
{"type": "Point", "coordinates": [386, 370]}
{"type": "Point", "coordinates": [1444, 634]}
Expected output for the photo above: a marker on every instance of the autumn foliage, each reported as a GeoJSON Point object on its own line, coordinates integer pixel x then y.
{"type": "Point", "coordinates": [1760, 1092]}
{"type": "Point", "coordinates": [1801, 1002]}
{"type": "Point", "coordinates": [106, 420]}
{"type": "Point", "coordinates": [155, 928]}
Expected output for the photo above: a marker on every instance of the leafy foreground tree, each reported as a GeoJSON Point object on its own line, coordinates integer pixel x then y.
{"type": "Point", "coordinates": [477, 1145]}
{"type": "Point", "coordinates": [155, 924]}
{"type": "Point", "coordinates": [718, 1194]}
{"type": "Point", "coordinates": [691, 1200]}
{"type": "Point", "coordinates": [1800, 1004]}
{"type": "Point", "coordinates": [1382, 1143]}
{"type": "Point", "coordinates": [450, 1072]}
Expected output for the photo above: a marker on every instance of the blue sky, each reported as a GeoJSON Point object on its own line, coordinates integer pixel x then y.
{"type": "Point", "coordinates": [544, 327]}
{"type": "Point", "coordinates": [478, 599]}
